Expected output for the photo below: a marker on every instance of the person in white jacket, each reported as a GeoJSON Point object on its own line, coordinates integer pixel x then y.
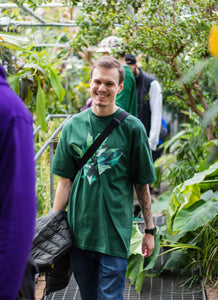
{"type": "Point", "coordinates": [149, 104]}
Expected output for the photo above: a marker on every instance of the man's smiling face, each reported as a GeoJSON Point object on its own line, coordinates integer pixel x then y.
{"type": "Point", "coordinates": [104, 86]}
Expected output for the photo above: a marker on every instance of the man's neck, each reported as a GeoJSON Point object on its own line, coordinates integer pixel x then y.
{"type": "Point", "coordinates": [121, 59]}
{"type": "Point", "coordinates": [104, 111]}
{"type": "Point", "coordinates": [137, 71]}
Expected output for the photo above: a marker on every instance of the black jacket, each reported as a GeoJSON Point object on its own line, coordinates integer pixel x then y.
{"type": "Point", "coordinates": [143, 83]}
{"type": "Point", "coordinates": [52, 239]}
{"type": "Point", "coordinates": [50, 250]}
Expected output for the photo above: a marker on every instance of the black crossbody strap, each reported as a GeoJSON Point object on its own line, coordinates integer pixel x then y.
{"type": "Point", "coordinates": [115, 122]}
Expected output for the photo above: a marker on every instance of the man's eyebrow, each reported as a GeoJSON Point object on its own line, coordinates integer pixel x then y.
{"type": "Point", "coordinates": [109, 81]}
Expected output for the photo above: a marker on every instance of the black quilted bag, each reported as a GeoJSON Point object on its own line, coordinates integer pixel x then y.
{"type": "Point", "coordinates": [50, 250]}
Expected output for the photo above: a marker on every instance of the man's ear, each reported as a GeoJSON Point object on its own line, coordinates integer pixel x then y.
{"type": "Point", "coordinates": [120, 87]}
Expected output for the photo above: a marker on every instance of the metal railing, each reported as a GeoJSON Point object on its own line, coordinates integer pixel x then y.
{"type": "Point", "coordinates": [50, 143]}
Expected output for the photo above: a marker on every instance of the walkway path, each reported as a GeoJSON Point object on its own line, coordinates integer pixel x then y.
{"type": "Point", "coordinates": [168, 286]}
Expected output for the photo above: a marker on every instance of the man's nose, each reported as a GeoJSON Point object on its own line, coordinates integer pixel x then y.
{"type": "Point", "coordinates": [102, 87]}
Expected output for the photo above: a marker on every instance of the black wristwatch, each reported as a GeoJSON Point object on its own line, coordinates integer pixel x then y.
{"type": "Point", "coordinates": [151, 231]}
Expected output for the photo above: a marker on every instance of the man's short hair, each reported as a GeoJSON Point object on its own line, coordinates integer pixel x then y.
{"type": "Point", "coordinates": [130, 59]}
{"type": "Point", "coordinates": [109, 62]}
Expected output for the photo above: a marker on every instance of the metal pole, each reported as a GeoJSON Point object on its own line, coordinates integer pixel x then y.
{"type": "Point", "coordinates": [51, 153]}
{"type": "Point", "coordinates": [31, 24]}
{"type": "Point", "coordinates": [50, 117]}
{"type": "Point", "coordinates": [29, 11]}
{"type": "Point", "coordinates": [38, 154]}
{"type": "Point", "coordinates": [11, 5]}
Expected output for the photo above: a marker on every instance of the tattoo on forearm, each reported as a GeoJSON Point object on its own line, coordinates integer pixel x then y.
{"type": "Point", "coordinates": [144, 199]}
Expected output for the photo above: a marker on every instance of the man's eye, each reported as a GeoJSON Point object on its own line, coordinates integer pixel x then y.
{"type": "Point", "coordinates": [109, 84]}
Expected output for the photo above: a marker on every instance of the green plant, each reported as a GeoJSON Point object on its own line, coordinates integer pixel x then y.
{"type": "Point", "coordinates": [185, 153]}
{"type": "Point", "coordinates": [43, 184]}
{"type": "Point", "coordinates": [46, 83]}
{"type": "Point", "coordinates": [170, 36]}
{"type": "Point", "coordinates": [191, 236]}
{"type": "Point", "coordinates": [138, 267]}
{"type": "Point", "coordinates": [76, 84]}
{"type": "Point", "coordinates": [36, 79]}
{"type": "Point", "coordinates": [206, 262]}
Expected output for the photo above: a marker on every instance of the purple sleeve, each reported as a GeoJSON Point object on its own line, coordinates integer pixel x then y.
{"type": "Point", "coordinates": [17, 201]}
{"type": "Point", "coordinates": [88, 104]}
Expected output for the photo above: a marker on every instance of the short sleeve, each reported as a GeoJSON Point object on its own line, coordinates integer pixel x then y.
{"type": "Point", "coordinates": [64, 164]}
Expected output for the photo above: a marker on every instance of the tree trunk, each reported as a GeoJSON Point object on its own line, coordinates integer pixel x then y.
{"type": "Point", "coordinates": [209, 132]}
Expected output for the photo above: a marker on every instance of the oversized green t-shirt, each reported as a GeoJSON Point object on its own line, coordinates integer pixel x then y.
{"type": "Point", "coordinates": [100, 208]}
{"type": "Point", "coordinates": [127, 98]}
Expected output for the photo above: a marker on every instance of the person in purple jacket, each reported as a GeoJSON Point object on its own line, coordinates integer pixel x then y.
{"type": "Point", "coordinates": [17, 189]}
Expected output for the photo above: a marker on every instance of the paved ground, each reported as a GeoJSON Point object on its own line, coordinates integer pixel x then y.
{"type": "Point", "coordinates": [166, 287]}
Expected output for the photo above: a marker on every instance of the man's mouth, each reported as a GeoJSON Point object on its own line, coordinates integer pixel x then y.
{"type": "Point", "coordinates": [101, 96]}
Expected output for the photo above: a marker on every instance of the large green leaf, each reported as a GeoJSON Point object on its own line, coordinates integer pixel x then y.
{"type": "Point", "coordinates": [139, 281]}
{"type": "Point", "coordinates": [149, 262]}
{"type": "Point", "coordinates": [194, 217]}
{"type": "Point", "coordinates": [211, 113]}
{"type": "Point", "coordinates": [177, 136]}
{"type": "Point", "coordinates": [148, 265]}
{"type": "Point", "coordinates": [214, 65]}
{"type": "Point", "coordinates": [14, 83]}
{"type": "Point", "coordinates": [56, 84]}
{"type": "Point", "coordinates": [212, 171]}
{"type": "Point", "coordinates": [138, 266]}
{"type": "Point", "coordinates": [176, 260]}
{"type": "Point", "coordinates": [181, 198]}
{"type": "Point", "coordinates": [209, 195]}
{"type": "Point", "coordinates": [185, 215]}
{"type": "Point", "coordinates": [162, 203]}
{"type": "Point", "coordinates": [14, 41]}
{"type": "Point", "coordinates": [194, 71]}
{"type": "Point", "coordinates": [136, 241]}
{"type": "Point", "coordinates": [187, 193]}
{"type": "Point", "coordinates": [134, 267]}
{"type": "Point", "coordinates": [41, 107]}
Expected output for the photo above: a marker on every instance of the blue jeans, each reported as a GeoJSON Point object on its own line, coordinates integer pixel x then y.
{"type": "Point", "coordinates": [99, 276]}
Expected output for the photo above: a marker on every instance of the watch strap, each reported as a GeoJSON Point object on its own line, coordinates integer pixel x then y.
{"type": "Point", "coordinates": [151, 230]}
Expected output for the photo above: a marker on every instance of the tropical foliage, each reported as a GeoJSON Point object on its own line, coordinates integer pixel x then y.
{"type": "Point", "coordinates": [190, 235]}
{"type": "Point", "coordinates": [185, 153]}
{"type": "Point", "coordinates": [170, 40]}
{"type": "Point", "coordinates": [36, 76]}
{"type": "Point", "coordinates": [170, 36]}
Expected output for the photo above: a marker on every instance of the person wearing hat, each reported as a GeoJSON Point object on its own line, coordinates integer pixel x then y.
{"type": "Point", "coordinates": [149, 104]}
{"type": "Point", "coordinates": [127, 98]}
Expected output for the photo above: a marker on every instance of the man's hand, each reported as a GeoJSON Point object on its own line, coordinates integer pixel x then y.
{"type": "Point", "coordinates": [147, 245]}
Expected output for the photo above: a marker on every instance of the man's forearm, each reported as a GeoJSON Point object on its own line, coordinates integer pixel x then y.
{"type": "Point", "coordinates": [144, 199]}
{"type": "Point", "coordinates": [62, 194]}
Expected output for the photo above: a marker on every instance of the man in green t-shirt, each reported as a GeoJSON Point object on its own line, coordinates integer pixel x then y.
{"type": "Point", "coordinates": [100, 195]}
